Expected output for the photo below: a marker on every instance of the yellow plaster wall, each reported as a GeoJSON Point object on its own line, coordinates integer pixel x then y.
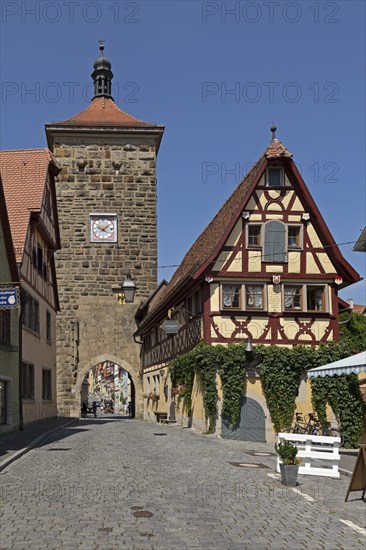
{"type": "Point", "coordinates": [237, 262]}
{"type": "Point", "coordinates": [226, 327]}
{"type": "Point", "coordinates": [274, 268]}
{"type": "Point", "coordinates": [215, 296]}
{"type": "Point", "coordinates": [235, 234]}
{"type": "Point", "coordinates": [254, 260]}
{"type": "Point", "coordinates": [294, 261]}
{"type": "Point", "coordinates": [311, 266]}
{"type": "Point", "coordinates": [318, 329]}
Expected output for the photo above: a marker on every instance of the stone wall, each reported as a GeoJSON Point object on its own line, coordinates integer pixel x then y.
{"type": "Point", "coordinates": [108, 175]}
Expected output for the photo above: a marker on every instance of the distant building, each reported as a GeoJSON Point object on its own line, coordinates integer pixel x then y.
{"type": "Point", "coordinates": [9, 328]}
{"type": "Point", "coordinates": [29, 188]}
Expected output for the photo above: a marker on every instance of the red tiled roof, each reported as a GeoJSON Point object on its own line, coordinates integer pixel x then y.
{"type": "Point", "coordinates": [276, 149]}
{"type": "Point", "coordinates": [359, 309]}
{"type": "Point", "coordinates": [104, 112]}
{"type": "Point", "coordinates": [23, 174]}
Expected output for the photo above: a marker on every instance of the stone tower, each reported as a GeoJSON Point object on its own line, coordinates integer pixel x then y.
{"type": "Point", "coordinates": [106, 195]}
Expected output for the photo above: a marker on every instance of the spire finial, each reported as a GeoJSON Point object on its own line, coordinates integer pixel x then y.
{"type": "Point", "coordinates": [273, 130]}
{"type": "Point", "coordinates": [101, 46]}
{"type": "Point", "coordinates": [102, 75]}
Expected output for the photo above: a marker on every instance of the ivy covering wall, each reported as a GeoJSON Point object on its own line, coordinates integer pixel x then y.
{"type": "Point", "coordinates": [280, 369]}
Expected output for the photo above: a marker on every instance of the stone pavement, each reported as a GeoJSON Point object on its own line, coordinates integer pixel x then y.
{"type": "Point", "coordinates": [84, 486]}
{"type": "Point", "coordinates": [15, 444]}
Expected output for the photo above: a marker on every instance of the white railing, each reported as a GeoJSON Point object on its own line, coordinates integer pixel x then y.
{"type": "Point", "coordinates": [314, 448]}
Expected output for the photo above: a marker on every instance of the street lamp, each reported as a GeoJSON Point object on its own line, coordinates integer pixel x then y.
{"type": "Point", "coordinates": [126, 292]}
{"type": "Point", "coordinates": [248, 347]}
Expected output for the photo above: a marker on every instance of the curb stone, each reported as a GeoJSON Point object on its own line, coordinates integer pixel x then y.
{"type": "Point", "coordinates": [17, 454]}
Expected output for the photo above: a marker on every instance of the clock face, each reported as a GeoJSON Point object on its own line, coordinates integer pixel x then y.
{"type": "Point", "coordinates": [103, 228]}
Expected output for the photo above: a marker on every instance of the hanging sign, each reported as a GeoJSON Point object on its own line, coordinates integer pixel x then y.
{"type": "Point", "coordinates": [9, 298]}
{"type": "Point", "coordinates": [170, 326]}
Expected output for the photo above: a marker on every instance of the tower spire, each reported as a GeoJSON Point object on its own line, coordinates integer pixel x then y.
{"type": "Point", "coordinates": [273, 130]}
{"type": "Point", "coordinates": [102, 75]}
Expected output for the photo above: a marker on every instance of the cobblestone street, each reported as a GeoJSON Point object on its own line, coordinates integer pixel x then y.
{"type": "Point", "coordinates": [85, 485]}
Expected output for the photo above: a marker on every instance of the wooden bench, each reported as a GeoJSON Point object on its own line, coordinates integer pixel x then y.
{"type": "Point", "coordinates": [161, 416]}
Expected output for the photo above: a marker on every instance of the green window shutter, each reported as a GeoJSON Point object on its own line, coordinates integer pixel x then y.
{"type": "Point", "coordinates": [275, 249]}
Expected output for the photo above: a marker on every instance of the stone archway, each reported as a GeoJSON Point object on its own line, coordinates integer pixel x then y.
{"type": "Point", "coordinates": [83, 371]}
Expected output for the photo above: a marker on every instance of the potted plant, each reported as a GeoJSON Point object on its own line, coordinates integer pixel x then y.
{"type": "Point", "coordinates": [290, 463]}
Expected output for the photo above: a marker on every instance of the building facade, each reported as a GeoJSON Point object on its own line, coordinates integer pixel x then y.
{"type": "Point", "coordinates": [106, 195]}
{"type": "Point", "coordinates": [29, 187]}
{"type": "Point", "coordinates": [265, 270]}
{"type": "Point", "coordinates": [9, 327]}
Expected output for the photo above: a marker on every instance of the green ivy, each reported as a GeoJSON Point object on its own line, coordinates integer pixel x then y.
{"type": "Point", "coordinates": [232, 363]}
{"type": "Point", "coordinates": [281, 369]}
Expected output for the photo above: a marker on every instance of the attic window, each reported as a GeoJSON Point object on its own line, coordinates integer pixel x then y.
{"type": "Point", "coordinates": [275, 176]}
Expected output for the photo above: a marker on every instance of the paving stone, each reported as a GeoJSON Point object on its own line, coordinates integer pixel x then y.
{"type": "Point", "coordinates": [82, 498]}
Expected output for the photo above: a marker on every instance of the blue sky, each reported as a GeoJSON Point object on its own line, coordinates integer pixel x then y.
{"type": "Point", "coordinates": [216, 74]}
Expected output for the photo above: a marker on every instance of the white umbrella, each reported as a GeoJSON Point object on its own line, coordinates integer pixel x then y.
{"type": "Point", "coordinates": [349, 365]}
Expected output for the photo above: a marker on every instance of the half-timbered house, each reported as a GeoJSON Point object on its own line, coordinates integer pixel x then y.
{"type": "Point", "coordinates": [29, 186]}
{"type": "Point", "coordinates": [266, 270]}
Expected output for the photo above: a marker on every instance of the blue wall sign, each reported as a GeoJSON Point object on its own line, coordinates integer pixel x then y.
{"type": "Point", "coordinates": [9, 298]}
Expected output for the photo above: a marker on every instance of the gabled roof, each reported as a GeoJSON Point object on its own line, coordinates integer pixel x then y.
{"type": "Point", "coordinates": [206, 248]}
{"type": "Point", "coordinates": [24, 174]}
{"type": "Point", "coordinates": [104, 112]}
{"type": "Point", "coordinates": [4, 221]}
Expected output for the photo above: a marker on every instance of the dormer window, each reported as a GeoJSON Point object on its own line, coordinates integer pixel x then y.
{"type": "Point", "coordinates": [275, 176]}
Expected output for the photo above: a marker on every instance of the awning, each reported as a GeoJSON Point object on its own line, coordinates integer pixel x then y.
{"type": "Point", "coordinates": [349, 365]}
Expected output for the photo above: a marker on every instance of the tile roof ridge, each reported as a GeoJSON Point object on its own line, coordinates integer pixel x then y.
{"type": "Point", "coordinates": [24, 150]}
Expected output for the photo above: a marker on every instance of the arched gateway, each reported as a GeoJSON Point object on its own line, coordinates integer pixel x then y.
{"type": "Point", "coordinates": [106, 198]}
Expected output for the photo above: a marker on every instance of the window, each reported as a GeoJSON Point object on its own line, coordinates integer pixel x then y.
{"type": "Point", "coordinates": [5, 326]}
{"type": "Point", "coordinates": [197, 302]}
{"type": "Point", "coordinates": [275, 176]}
{"type": "Point", "coordinates": [34, 257]}
{"type": "Point", "coordinates": [46, 385]}
{"type": "Point", "coordinates": [315, 298]}
{"type": "Point", "coordinates": [48, 327]}
{"type": "Point", "coordinates": [254, 235]}
{"type": "Point", "coordinates": [40, 260]}
{"type": "Point", "coordinates": [275, 249]}
{"type": "Point", "coordinates": [45, 271]}
{"type": "Point", "coordinates": [293, 236]}
{"type": "Point", "coordinates": [3, 401]}
{"type": "Point", "coordinates": [28, 381]}
{"type": "Point", "coordinates": [293, 297]}
{"type": "Point", "coordinates": [231, 296]}
{"type": "Point", "coordinates": [30, 313]}
{"type": "Point", "coordinates": [254, 297]}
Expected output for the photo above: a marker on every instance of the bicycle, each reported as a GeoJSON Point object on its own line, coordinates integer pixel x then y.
{"type": "Point", "coordinates": [332, 432]}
